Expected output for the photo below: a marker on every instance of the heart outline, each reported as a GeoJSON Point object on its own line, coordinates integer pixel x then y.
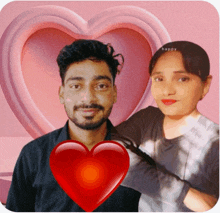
{"type": "Point", "coordinates": [27, 23]}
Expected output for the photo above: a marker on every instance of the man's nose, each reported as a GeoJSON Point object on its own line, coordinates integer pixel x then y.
{"type": "Point", "coordinates": [169, 89]}
{"type": "Point", "coordinates": [88, 95]}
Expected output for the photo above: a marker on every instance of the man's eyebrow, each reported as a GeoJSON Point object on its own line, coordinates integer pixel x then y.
{"type": "Point", "coordinates": [74, 78]}
{"type": "Point", "coordinates": [103, 77]}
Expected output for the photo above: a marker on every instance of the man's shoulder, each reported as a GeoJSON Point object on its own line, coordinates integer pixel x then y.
{"type": "Point", "coordinates": [44, 141]}
{"type": "Point", "coordinates": [148, 113]}
{"type": "Point", "coordinates": [151, 110]}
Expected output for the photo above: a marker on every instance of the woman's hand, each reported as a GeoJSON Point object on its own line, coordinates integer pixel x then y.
{"type": "Point", "coordinates": [198, 201]}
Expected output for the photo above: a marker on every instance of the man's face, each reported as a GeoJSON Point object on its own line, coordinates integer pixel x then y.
{"type": "Point", "coordinates": [88, 93]}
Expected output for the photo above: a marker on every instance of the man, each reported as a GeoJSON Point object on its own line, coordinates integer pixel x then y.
{"type": "Point", "coordinates": [88, 69]}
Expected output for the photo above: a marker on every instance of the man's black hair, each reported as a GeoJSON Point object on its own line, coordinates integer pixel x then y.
{"type": "Point", "coordinates": [82, 49]}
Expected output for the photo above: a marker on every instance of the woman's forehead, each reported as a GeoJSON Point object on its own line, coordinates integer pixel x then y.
{"type": "Point", "coordinates": [170, 60]}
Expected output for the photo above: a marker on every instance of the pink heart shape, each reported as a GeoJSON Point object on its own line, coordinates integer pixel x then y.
{"type": "Point", "coordinates": [19, 55]}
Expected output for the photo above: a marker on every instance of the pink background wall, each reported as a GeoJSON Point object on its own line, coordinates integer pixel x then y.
{"type": "Point", "coordinates": [193, 21]}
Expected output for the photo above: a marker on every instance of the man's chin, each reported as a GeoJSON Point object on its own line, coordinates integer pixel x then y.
{"type": "Point", "coordinates": [89, 125]}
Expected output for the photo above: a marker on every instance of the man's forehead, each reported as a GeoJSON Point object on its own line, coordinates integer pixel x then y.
{"type": "Point", "coordinates": [88, 70]}
{"type": "Point", "coordinates": [94, 78]}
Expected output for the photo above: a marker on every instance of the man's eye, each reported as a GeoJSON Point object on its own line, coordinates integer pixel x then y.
{"type": "Point", "coordinates": [102, 86]}
{"type": "Point", "coordinates": [183, 79]}
{"type": "Point", "coordinates": [75, 86]}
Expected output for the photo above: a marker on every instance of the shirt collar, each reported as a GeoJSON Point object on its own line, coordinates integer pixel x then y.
{"type": "Point", "coordinates": [64, 134]}
{"type": "Point", "coordinates": [109, 128]}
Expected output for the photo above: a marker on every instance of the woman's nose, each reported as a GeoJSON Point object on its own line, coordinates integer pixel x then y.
{"type": "Point", "coordinates": [169, 89]}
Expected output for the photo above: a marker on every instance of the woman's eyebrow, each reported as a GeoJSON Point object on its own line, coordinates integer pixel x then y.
{"type": "Point", "coordinates": [180, 71]}
{"type": "Point", "coordinates": [176, 72]}
{"type": "Point", "coordinates": [156, 73]}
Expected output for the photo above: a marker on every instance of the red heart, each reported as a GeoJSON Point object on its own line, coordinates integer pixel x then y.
{"type": "Point", "coordinates": [89, 177]}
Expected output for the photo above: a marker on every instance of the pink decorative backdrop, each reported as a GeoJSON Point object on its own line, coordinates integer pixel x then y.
{"type": "Point", "coordinates": [32, 33]}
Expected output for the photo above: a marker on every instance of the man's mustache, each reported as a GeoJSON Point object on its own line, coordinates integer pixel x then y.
{"type": "Point", "coordinates": [85, 106]}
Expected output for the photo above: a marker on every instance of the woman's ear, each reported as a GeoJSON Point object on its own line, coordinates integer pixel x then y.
{"type": "Point", "coordinates": [207, 84]}
{"type": "Point", "coordinates": [61, 94]}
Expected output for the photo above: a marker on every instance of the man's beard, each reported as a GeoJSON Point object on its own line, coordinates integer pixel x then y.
{"type": "Point", "coordinates": [88, 124]}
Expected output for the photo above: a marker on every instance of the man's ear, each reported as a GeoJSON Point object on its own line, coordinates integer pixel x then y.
{"type": "Point", "coordinates": [61, 94]}
{"type": "Point", "coordinates": [115, 94]}
{"type": "Point", "coordinates": [207, 84]}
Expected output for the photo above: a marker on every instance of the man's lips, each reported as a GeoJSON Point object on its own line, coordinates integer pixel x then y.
{"type": "Point", "coordinates": [168, 101]}
{"type": "Point", "coordinates": [89, 111]}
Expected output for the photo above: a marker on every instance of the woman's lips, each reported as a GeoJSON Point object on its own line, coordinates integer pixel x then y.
{"type": "Point", "coordinates": [168, 101]}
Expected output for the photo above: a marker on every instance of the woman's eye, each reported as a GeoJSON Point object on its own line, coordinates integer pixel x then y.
{"type": "Point", "coordinates": [183, 79]}
{"type": "Point", "coordinates": [158, 79]}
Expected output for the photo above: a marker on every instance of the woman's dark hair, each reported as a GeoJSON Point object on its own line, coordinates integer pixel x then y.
{"type": "Point", "coordinates": [82, 49]}
{"type": "Point", "coordinates": [195, 58]}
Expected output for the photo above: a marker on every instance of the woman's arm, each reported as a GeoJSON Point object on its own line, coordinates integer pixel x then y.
{"type": "Point", "coordinates": [155, 181]}
{"type": "Point", "coordinates": [145, 178]}
{"type": "Point", "coordinates": [198, 201]}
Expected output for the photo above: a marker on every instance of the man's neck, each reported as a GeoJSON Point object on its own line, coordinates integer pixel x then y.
{"type": "Point", "coordinates": [88, 137]}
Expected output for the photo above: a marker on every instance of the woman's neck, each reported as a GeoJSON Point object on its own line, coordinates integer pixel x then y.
{"type": "Point", "coordinates": [174, 126]}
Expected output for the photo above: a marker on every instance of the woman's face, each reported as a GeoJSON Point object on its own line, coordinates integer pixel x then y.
{"type": "Point", "coordinates": [175, 90]}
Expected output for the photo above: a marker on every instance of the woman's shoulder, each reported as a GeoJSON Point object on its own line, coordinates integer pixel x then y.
{"type": "Point", "coordinates": [208, 127]}
{"type": "Point", "coordinates": [205, 134]}
{"type": "Point", "coordinates": [209, 140]}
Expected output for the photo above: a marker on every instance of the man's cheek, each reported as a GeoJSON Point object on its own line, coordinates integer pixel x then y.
{"type": "Point", "coordinates": [68, 100]}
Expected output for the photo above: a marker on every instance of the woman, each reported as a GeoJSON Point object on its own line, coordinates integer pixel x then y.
{"type": "Point", "coordinates": [175, 134]}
